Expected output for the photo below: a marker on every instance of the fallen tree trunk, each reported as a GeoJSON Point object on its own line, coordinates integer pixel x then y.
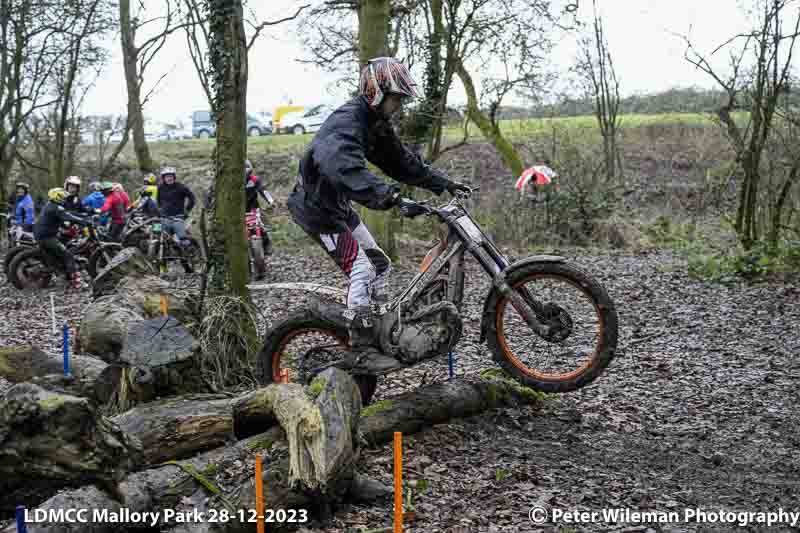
{"type": "Point", "coordinates": [309, 459]}
{"type": "Point", "coordinates": [90, 376]}
{"type": "Point", "coordinates": [178, 427]}
{"type": "Point", "coordinates": [441, 402]}
{"type": "Point", "coordinates": [309, 463]}
{"type": "Point", "coordinates": [50, 440]}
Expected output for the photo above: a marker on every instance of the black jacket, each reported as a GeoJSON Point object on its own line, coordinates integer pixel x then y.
{"type": "Point", "coordinates": [50, 221]}
{"type": "Point", "coordinates": [172, 199]}
{"type": "Point", "coordinates": [73, 204]}
{"type": "Point", "coordinates": [333, 171]}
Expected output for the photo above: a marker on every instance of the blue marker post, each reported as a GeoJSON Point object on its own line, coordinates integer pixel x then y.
{"type": "Point", "coordinates": [66, 349]}
{"type": "Point", "coordinates": [21, 528]}
{"type": "Point", "coordinates": [450, 363]}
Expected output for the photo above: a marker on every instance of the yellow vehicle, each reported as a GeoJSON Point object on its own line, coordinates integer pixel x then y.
{"type": "Point", "coordinates": [279, 112]}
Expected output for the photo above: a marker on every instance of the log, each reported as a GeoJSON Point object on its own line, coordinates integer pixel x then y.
{"type": "Point", "coordinates": [152, 490]}
{"type": "Point", "coordinates": [157, 354]}
{"type": "Point", "coordinates": [308, 460]}
{"type": "Point", "coordinates": [49, 441]}
{"type": "Point", "coordinates": [441, 402]}
{"type": "Point", "coordinates": [315, 468]}
{"type": "Point", "coordinates": [178, 427]}
{"type": "Point", "coordinates": [91, 377]}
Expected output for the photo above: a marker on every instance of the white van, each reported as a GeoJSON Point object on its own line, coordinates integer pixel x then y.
{"type": "Point", "coordinates": [307, 121]}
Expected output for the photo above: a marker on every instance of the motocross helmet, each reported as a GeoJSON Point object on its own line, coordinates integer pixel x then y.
{"type": "Point", "coordinates": [385, 75]}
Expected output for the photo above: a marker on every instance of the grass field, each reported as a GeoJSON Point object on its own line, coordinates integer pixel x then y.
{"type": "Point", "coordinates": [514, 129]}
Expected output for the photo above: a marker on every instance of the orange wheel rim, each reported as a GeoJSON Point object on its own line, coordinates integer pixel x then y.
{"type": "Point", "coordinates": [276, 356]}
{"type": "Point", "coordinates": [563, 376]}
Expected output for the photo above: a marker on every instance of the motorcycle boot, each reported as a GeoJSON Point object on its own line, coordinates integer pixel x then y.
{"type": "Point", "coordinates": [75, 282]}
{"type": "Point", "coordinates": [365, 356]}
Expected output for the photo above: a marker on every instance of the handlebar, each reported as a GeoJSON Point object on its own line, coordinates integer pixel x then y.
{"type": "Point", "coordinates": [411, 208]}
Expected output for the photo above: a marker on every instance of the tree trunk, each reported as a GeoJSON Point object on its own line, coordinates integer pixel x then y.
{"type": "Point", "coordinates": [229, 61]}
{"type": "Point", "coordinates": [777, 213]}
{"type": "Point", "coordinates": [491, 131]}
{"type": "Point", "coordinates": [373, 28]}
{"type": "Point", "coordinates": [130, 60]}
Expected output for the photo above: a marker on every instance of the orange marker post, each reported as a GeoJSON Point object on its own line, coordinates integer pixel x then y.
{"type": "Point", "coordinates": [285, 375]}
{"type": "Point", "coordinates": [259, 497]}
{"type": "Point", "coordinates": [164, 305]}
{"type": "Point", "coordinates": [398, 482]}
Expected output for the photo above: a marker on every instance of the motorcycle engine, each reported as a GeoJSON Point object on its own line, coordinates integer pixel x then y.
{"type": "Point", "coordinates": [429, 332]}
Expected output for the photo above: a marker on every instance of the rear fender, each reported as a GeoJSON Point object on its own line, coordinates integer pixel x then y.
{"type": "Point", "coordinates": [499, 281]}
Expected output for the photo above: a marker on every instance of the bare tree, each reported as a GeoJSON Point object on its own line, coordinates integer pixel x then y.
{"type": "Point", "coordinates": [135, 59]}
{"type": "Point", "coordinates": [596, 68]}
{"type": "Point", "coordinates": [198, 36]}
{"type": "Point", "coordinates": [756, 88]}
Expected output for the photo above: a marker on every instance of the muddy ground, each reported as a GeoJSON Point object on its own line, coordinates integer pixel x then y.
{"type": "Point", "coordinates": [698, 410]}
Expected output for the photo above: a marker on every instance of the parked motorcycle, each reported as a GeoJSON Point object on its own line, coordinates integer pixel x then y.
{"type": "Point", "coordinates": [548, 323]}
{"type": "Point", "coordinates": [259, 242]}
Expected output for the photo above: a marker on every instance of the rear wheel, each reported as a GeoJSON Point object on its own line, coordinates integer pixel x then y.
{"type": "Point", "coordinates": [30, 269]}
{"type": "Point", "coordinates": [299, 130]}
{"type": "Point", "coordinates": [11, 254]}
{"type": "Point", "coordinates": [303, 341]}
{"type": "Point", "coordinates": [583, 328]}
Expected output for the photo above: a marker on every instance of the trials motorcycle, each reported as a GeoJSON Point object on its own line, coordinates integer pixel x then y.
{"type": "Point", "coordinates": [547, 322]}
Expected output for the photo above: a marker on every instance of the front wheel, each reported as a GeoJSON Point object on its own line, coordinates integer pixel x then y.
{"type": "Point", "coordinates": [302, 341]}
{"type": "Point", "coordinates": [582, 324]}
{"type": "Point", "coordinates": [101, 257]}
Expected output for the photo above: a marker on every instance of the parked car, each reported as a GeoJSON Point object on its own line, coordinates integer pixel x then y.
{"type": "Point", "coordinates": [180, 134]}
{"type": "Point", "coordinates": [115, 137]}
{"type": "Point", "coordinates": [306, 122]}
{"type": "Point", "coordinates": [204, 125]}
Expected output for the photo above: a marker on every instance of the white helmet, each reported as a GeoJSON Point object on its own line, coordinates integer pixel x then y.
{"type": "Point", "coordinates": [168, 170]}
{"type": "Point", "coordinates": [72, 180]}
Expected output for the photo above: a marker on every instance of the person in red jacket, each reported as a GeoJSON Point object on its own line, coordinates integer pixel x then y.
{"type": "Point", "coordinates": [117, 205]}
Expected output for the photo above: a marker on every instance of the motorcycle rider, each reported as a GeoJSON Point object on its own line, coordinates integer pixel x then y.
{"type": "Point", "coordinates": [253, 188]}
{"type": "Point", "coordinates": [174, 200]}
{"type": "Point", "coordinates": [146, 202]}
{"type": "Point", "coordinates": [149, 185]}
{"type": "Point", "coordinates": [333, 172]}
{"type": "Point", "coordinates": [46, 230]}
{"type": "Point", "coordinates": [73, 187]}
{"type": "Point", "coordinates": [23, 207]}
{"type": "Point", "coordinates": [116, 205]}
{"type": "Point", "coordinates": [95, 200]}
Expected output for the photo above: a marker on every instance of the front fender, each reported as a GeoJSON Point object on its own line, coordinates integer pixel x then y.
{"type": "Point", "coordinates": [499, 279]}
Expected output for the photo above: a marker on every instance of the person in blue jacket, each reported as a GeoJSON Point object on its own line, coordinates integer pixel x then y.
{"type": "Point", "coordinates": [23, 209]}
{"type": "Point", "coordinates": [95, 200]}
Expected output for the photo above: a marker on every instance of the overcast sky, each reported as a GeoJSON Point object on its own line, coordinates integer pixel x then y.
{"type": "Point", "coordinates": [647, 57]}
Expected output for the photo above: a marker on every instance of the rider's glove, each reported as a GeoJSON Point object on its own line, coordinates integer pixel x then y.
{"type": "Point", "coordinates": [390, 199]}
{"type": "Point", "coordinates": [409, 208]}
{"type": "Point", "coordinates": [453, 187]}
